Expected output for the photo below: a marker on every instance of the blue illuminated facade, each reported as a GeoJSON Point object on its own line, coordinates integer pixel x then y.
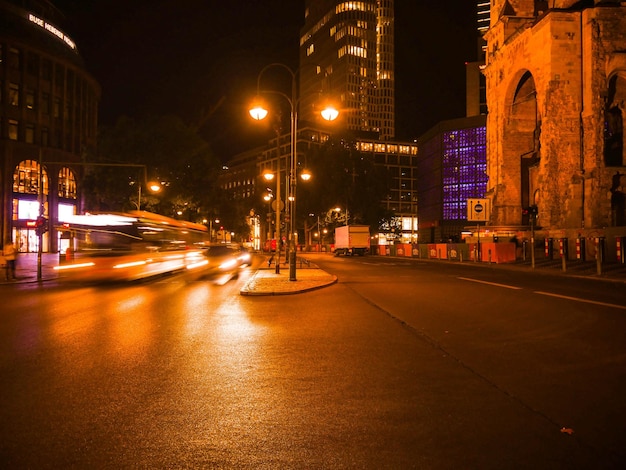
{"type": "Point", "coordinates": [452, 163]}
{"type": "Point", "coordinates": [464, 167]}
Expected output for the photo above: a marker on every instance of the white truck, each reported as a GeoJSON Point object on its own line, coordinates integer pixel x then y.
{"type": "Point", "coordinates": [352, 240]}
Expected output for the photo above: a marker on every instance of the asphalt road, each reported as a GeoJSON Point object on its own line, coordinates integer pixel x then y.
{"type": "Point", "coordinates": [398, 365]}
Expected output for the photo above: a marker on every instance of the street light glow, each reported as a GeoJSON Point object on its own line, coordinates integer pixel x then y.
{"type": "Point", "coordinates": [330, 113]}
{"type": "Point", "coordinates": [305, 175]}
{"type": "Point", "coordinates": [258, 111]}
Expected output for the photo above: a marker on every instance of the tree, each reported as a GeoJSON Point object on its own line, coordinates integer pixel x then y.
{"type": "Point", "coordinates": [175, 156]}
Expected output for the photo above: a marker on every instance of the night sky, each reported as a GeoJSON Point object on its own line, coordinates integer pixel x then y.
{"type": "Point", "coordinates": [184, 57]}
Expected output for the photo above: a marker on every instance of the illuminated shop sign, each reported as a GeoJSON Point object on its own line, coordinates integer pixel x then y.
{"type": "Point", "coordinates": [52, 29]}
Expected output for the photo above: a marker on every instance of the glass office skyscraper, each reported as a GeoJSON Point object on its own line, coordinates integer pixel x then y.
{"type": "Point", "coordinates": [347, 53]}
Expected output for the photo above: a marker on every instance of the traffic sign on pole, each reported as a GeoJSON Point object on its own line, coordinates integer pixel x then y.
{"type": "Point", "coordinates": [478, 210]}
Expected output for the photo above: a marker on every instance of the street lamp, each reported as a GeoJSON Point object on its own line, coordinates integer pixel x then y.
{"type": "Point", "coordinates": [269, 176]}
{"type": "Point", "coordinates": [217, 221]}
{"type": "Point", "coordinates": [258, 111]}
{"type": "Point", "coordinates": [338, 210]}
{"type": "Point", "coordinates": [152, 186]}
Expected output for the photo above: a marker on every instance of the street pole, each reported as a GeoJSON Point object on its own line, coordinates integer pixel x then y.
{"type": "Point", "coordinates": [277, 201]}
{"type": "Point", "coordinates": [293, 180]}
{"type": "Point", "coordinates": [41, 213]}
{"type": "Point", "coordinates": [258, 112]}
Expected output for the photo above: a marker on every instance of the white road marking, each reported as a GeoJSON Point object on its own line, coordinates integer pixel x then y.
{"type": "Point", "coordinates": [576, 299]}
{"type": "Point", "coordinates": [490, 283]}
{"type": "Point", "coordinates": [565, 297]}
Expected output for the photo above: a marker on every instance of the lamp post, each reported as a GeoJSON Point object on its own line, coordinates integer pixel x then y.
{"type": "Point", "coordinates": [269, 176]}
{"type": "Point", "coordinates": [217, 221]}
{"type": "Point", "coordinates": [258, 112]}
{"type": "Point", "coordinates": [150, 185]}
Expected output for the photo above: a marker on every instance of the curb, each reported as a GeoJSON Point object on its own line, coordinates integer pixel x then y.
{"type": "Point", "coordinates": [273, 291]}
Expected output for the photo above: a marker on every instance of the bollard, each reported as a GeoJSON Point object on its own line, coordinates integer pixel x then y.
{"type": "Point", "coordinates": [599, 254]}
{"type": "Point", "coordinates": [548, 248]}
{"type": "Point", "coordinates": [563, 253]}
{"type": "Point", "coordinates": [580, 249]}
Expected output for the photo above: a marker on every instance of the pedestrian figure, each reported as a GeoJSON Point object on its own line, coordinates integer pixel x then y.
{"type": "Point", "coordinates": [10, 254]}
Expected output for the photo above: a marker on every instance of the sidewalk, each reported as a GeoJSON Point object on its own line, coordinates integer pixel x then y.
{"type": "Point", "coordinates": [266, 282]}
{"type": "Point", "coordinates": [27, 267]}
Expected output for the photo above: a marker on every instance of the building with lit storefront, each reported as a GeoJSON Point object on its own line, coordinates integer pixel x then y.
{"type": "Point", "coordinates": [48, 119]}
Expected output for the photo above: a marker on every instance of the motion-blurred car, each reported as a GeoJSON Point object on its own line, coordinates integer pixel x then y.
{"type": "Point", "coordinates": [224, 262]}
{"type": "Point", "coordinates": [245, 257]}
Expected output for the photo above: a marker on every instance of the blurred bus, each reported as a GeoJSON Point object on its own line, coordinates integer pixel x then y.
{"type": "Point", "coordinates": [130, 246]}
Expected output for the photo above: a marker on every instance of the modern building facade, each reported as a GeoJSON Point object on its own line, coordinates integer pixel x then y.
{"type": "Point", "coordinates": [452, 162]}
{"type": "Point", "coordinates": [48, 121]}
{"type": "Point", "coordinates": [347, 53]}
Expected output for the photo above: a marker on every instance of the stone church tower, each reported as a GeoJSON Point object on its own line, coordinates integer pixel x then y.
{"type": "Point", "coordinates": [556, 95]}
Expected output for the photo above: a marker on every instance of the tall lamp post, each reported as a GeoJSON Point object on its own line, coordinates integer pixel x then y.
{"type": "Point", "coordinates": [269, 176]}
{"type": "Point", "coordinates": [258, 112]}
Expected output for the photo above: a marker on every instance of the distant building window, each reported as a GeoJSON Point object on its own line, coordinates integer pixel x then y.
{"type": "Point", "coordinates": [46, 70]}
{"type": "Point", "coordinates": [32, 64]}
{"type": "Point", "coordinates": [30, 99]}
{"type": "Point", "coordinates": [56, 110]}
{"type": "Point", "coordinates": [45, 103]}
{"type": "Point", "coordinates": [29, 134]}
{"type": "Point", "coordinates": [15, 56]}
{"type": "Point", "coordinates": [14, 94]}
{"type": "Point", "coordinates": [13, 129]}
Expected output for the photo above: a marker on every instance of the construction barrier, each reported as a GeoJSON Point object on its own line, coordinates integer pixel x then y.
{"type": "Point", "coordinates": [497, 252]}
